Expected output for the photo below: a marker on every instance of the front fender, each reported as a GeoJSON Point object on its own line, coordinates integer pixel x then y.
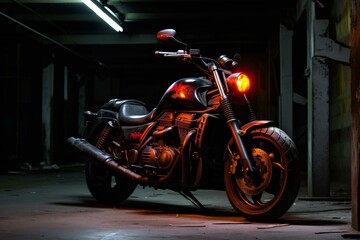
{"type": "Point", "coordinates": [248, 127]}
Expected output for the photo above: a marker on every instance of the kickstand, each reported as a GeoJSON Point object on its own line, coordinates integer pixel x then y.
{"type": "Point", "coordinates": [189, 196]}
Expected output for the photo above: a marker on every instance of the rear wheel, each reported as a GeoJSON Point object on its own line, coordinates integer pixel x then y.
{"type": "Point", "coordinates": [276, 157]}
{"type": "Point", "coordinates": [104, 185]}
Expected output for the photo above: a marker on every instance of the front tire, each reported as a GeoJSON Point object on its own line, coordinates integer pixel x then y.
{"type": "Point", "coordinates": [104, 185]}
{"type": "Point", "coordinates": [276, 156]}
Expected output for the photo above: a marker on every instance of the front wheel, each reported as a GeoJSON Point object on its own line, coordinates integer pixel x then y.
{"type": "Point", "coordinates": [276, 157]}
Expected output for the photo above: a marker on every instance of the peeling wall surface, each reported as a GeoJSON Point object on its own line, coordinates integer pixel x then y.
{"type": "Point", "coordinates": [355, 113]}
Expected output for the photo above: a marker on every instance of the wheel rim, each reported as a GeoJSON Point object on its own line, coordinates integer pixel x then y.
{"type": "Point", "coordinates": [273, 176]}
{"type": "Point", "coordinates": [102, 176]}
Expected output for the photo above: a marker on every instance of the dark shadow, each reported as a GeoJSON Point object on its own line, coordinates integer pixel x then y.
{"type": "Point", "coordinates": [156, 208]}
{"type": "Point", "coordinates": [152, 207]}
{"type": "Point", "coordinates": [351, 236]}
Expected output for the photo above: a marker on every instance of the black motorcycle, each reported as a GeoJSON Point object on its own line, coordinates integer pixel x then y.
{"type": "Point", "coordinates": [203, 134]}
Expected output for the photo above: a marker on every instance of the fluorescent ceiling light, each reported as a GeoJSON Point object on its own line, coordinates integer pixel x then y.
{"type": "Point", "coordinates": [104, 13]}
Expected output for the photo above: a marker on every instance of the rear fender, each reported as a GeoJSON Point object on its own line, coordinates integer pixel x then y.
{"type": "Point", "coordinates": [93, 121]}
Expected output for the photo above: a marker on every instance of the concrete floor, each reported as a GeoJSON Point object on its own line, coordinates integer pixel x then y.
{"type": "Point", "coordinates": [55, 204]}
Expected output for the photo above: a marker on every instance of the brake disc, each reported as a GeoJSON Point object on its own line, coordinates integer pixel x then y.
{"type": "Point", "coordinates": [264, 164]}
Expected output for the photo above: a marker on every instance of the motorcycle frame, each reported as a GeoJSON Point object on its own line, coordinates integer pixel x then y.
{"type": "Point", "coordinates": [108, 118]}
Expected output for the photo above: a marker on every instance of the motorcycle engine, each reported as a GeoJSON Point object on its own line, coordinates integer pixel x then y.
{"type": "Point", "coordinates": [160, 157]}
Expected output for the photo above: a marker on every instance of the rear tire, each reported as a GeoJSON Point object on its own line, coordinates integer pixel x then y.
{"type": "Point", "coordinates": [277, 157]}
{"type": "Point", "coordinates": [104, 185]}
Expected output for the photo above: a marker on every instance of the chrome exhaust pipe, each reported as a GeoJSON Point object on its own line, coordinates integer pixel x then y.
{"type": "Point", "coordinates": [89, 151]}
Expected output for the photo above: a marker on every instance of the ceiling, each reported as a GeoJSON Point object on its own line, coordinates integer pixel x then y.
{"type": "Point", "coordinates": [208, 24]}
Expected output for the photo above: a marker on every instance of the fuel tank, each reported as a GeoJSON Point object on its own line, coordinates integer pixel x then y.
{"type": "Point", "coordinates": [186, 94]}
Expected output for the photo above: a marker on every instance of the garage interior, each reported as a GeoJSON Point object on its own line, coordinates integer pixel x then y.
{"type": "Point", "coordinates": [58, 59]}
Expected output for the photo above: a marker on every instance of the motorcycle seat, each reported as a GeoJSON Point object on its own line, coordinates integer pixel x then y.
{"type": "Point", "coordinates": [130, 111]}
{"type": "Point", "coordinates": [134, 113]}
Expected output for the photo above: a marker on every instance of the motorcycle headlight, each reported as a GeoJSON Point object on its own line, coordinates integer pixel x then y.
{"type": "Point", "coordinates": [239, 82]}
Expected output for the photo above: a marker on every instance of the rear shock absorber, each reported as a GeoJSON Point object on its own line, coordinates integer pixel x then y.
{"type": "Point", "coordinates": [105, 134]}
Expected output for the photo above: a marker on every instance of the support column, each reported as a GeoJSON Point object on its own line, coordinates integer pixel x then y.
{"type": "Point", "coordinates": [318, 130]}
{"type": "Point", "coordinates": [286, 81]}
{"type": "Point", "coordinates": [53, 113]}
{"type": "Point", "coordinates": [318, 111]}
{"type": "Point", "coordinates": [47, 116]}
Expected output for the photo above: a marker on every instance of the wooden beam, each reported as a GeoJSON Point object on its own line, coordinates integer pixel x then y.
{"type": "Point", "coordinates": [355, 110]}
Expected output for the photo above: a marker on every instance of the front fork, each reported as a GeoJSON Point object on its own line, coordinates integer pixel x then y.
{"type": "Point", "coordinates": [232, 122]}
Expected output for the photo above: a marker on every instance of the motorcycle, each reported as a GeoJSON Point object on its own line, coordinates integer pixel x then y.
{"type": "Point", "coordinates": [202, 134]}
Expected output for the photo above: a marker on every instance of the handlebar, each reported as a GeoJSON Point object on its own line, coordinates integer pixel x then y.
{"type": "Point", "coordinates": [227, 64]}
{"type": "Point", "coordinates": [179, 54]}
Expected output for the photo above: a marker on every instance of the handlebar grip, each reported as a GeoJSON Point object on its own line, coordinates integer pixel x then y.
{"type": "Point", "coordinates": [159, 54]}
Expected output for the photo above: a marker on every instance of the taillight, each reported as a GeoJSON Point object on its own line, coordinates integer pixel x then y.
{"type": "Point", "coordinates": [239, 81]}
